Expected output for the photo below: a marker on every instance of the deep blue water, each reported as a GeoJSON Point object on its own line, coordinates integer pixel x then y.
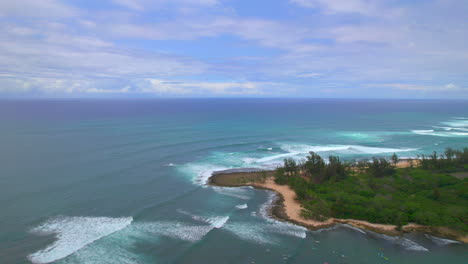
{"type": "Point", "coordinates": [123, 181]}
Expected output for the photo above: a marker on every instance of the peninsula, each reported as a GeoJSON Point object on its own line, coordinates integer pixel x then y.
{"type": "Point", "coordinates": [394, 196]}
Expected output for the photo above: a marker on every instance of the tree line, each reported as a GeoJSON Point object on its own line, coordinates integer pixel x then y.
{"type": "Point", "coordinates": [315, 169]}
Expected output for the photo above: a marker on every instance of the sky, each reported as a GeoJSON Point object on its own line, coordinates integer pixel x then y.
{"type": "Point", "coordinates": [234, 48]}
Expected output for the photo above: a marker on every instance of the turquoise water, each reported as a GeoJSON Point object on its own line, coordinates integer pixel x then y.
{"type": "Point", "coordinates": [124, 181]}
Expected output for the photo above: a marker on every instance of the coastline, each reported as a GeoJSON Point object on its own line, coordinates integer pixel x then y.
{"type": "Point", "coordinates": [286, 208]}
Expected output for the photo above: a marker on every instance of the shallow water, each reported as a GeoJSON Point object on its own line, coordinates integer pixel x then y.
{"type": "Point", "coordinates": [124, 181]}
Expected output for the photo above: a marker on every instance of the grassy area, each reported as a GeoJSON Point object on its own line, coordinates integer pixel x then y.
{"type": "Point", "coordinates": [234, 179]}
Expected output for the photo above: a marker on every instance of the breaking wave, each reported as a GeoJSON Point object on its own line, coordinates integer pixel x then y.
{"type": "Point", "coordinates": [441, 241]}
{"type": "Point", "coordinates": [237, 192]}
{"type": "Point", "coordinates": [456, 127]}
{"type": "Point", "coordinates": [74, 233]}
{"type": "Point", "coordinates": [200, 171]}
{"type": "Point", "coordinates": [402, 242]}
{"type": "Point", "coordinates": [241, 206]}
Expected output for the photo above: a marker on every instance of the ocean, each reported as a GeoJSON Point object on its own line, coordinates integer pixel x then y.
{"type": "Point", "coordinates": [124, 181]}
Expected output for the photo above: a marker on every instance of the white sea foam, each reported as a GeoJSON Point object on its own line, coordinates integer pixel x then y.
{"type": "Point", "coordinates": [201, 172]}
{"type": "Point", "coordinates": [219, 221]}
{"type": "Point", "coordinates": [457, 123]}
{"type": "Point", "coordinates": [117, 248]}
{"type": "Point", "coordinates": [74, 233]}
{"type": "Point", "coordinates": [403, 242]}
{"type": "Point", "coordinates": [423, 131]}
{"type": "Point", "coordinates": [239, 193]}
{"type": "Point", "coordinates": [354, 228]}
{"type": "Point", "coordinates": [441, 241]}
{"type": "Point", "coordinates": [214, 221]}
{"type": "Point", "coordinates": [456, 127]}
{"type": "Point", "coordinates": [440, 133]}
{"type": "Point", "coordinates": [299, 151]}
{"type": "Point", "coordinates": [276, 226]}
{"type": "Point", "coordinates": [252, 232]}
{"type": "Point", "coordinates": [343, 149]}
{"type": "Point", "coordinates": [241, 206]}
{"type": "Point", "coordinates": [181, 231]}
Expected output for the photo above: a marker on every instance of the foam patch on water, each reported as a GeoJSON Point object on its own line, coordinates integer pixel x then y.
{"type": "Point", "coordinates": [239, 193]}
{"type": "Point", "coordinates": [252, 232]}
{"type": "Point", "coordinates": [201, 172]}
{"type": "Point", "coordinates": [403, 242]}
{"type": "Point", "coordinates": [354, 228]}
{"type": "Point", "coordinates": [456, 127]}
{"type": "Point", "coordinates": [74, 233]}
{"type": "Point", "coordinates": [340, 149]}
{"type": "Point", "coordinates": [362, 136]}
{"type": "Point", "coordinates": [457, 123]}
{"type": "Point", "coordinates": [181, 231]}
{"type": "Point", "coordinates": [441, 241]}
{"type": "Point", "coordinates": [431, 132]}
{"type": "Point", "coordinates": [214, 221]}
{"type": "Point", "coordinates": [276, 226]}
{"type": "Point", "coordinates": [116, 248]}
{"type": "Point", "coordinates": [241, 206]}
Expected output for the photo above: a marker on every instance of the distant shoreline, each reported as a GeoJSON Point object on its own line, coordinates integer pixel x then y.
{"type": "Point", "coordinates": [288, 209]}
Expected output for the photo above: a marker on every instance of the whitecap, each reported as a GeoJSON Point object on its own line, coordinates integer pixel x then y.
{"type": "Point", "coordinates": [239, 193]}
{"type": "Point", "coordinates": [181, 231]}
{"type": "Point", "coordinates": [241, 206]}
{"type": "Point", "coordinates": [441, 241]}
{"type": "Point", "coordinates": [252, 232]}
{"type": "Point", "coordinates": [214, 221]}
{"type": "Point", "coordinates": [457, 123]}
{"type": "Point", "coordinates": [201, 172]}
{"type": "Point", "coordinates": [276, 226]}
{"type": "Point", "coordinates": [343, 149]}
{"type": "Point", "coordinates": [403, 242]}
{"type": "Point", "coordinates": [218, 222]}
{"type": "Point", "coordinates": [354, 228]}
{"type": "Point", "coordinates": [440, 133]}
{"type": "Point", "coordinates": [74, 233]}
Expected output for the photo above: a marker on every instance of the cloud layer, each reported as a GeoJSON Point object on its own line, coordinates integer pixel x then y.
{"type": "Point", "coordinates": [314, 48]}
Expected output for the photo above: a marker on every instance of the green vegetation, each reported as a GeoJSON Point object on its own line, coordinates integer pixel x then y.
{"type": "Point", "coordinates": [378, 192]}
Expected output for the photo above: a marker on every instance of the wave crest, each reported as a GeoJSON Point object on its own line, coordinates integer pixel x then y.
{"type": "Point", "coordinates": [74, 233]}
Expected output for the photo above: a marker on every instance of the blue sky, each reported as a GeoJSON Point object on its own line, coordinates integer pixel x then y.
{"type": "Point", "coordinates": [234, 48]}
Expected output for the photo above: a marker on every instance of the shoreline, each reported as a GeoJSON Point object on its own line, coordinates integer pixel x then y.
{"type": "Point", "coordinates": [286, 208]}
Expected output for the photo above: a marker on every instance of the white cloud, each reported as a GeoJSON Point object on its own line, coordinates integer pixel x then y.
{"type": "Point", "coordinates": [36, 8]}
{"type": "Point", "coordinates": [58, 53]}
{"type": "Point", "coordinates": [141, 5]}
{"type": "Point", "coordinates": [264, 32]}
{"type": "Point", "coordinates": [423, 88]}
{"type": "Point", "coordinates": [366, 7]}
{"type": "Point", "coordinates": [309, 75]}
{"type": "Point", "coordinates": [132, 4]}
{"type": "Point", "coordinates": [198, 87]}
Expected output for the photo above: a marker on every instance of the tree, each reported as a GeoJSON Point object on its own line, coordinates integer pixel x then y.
{"type": "Point", "coordinates": [380, 167]}
{"type": "Point", "coordinates": [449, 154]}
{"type": "Point", "coordinates": [395, 159]}
{"type": "Point", "coordinates": [290, 166]}
{"type": "Point", "coordinates": [335, 169]}
{"type": "Point", "coordinates": [314, 164]}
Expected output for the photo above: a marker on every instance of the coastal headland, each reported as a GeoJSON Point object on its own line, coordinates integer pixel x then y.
{"type": "Point", "coordinates": [288, 208]}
